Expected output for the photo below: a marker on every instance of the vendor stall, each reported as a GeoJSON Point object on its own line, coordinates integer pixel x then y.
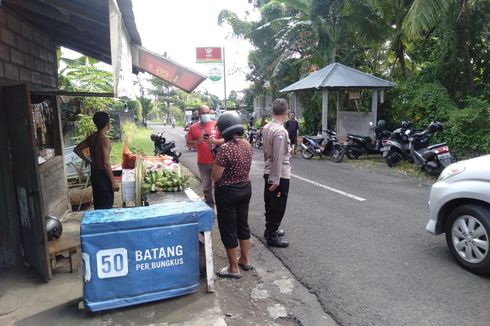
{"type": "Point", "coordinates": [151, 252]}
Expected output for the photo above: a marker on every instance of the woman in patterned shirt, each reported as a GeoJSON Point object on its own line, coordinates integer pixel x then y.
{"type": "Point", "coordinates": [232, 193]}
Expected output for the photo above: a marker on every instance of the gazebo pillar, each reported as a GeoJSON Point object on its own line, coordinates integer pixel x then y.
{"type": "Point", "coordinates": [296, 105]}
{"type": "Point", "coordinates": [337, 113]}
{"type": "Point", "coordinates": [374, 105]}
{"type": "Point", "coordinates": [324, 110]}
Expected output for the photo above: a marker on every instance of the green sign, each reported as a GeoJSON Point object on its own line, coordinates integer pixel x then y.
{"type": "Point", "coordinates": [214, 74]}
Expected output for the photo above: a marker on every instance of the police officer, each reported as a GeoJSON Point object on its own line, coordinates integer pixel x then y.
{"type": "Point", "coordinates": [277, 172]}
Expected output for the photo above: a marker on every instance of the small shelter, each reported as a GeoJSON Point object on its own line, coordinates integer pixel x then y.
{"type": "Point", "coordinates": [338, 78]}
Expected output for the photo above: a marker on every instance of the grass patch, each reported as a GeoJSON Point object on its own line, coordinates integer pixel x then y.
{"type": "Point", "coordinates": [374, 162]}
{"type": "Point", "coordinates": [138, 139]}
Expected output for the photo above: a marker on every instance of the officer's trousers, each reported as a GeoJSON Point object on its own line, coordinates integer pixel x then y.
{"type": "Point", "coordinates": [275, 204]}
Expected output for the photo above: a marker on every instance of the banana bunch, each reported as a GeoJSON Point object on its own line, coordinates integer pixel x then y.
{"type": "Point", "coordinates": [164, 181]}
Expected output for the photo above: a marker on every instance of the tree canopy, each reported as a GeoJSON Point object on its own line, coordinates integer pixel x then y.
{"type": "Point", "coordinates": [437, 51]}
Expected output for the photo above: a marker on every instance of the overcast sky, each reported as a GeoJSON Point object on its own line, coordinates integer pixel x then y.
{"type": "Point", "coordinates": [179, 26]}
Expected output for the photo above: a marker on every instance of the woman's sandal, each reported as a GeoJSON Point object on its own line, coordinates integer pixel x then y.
{"type": "Point", "coordinates": [245, 267]}
{"type": "Point", "coordinates": [225, 273]}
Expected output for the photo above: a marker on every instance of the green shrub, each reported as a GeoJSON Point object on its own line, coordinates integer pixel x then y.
{"type": "Point", "coordinates": [420, 102]}
{"type": "Point", "coordinates": [468, 130]}
{"type": "Point", "coordinates": [312, 112]}
{"type": "Point", "coordinates": [138, 139]}
{"type": "Point", "coordinates": [84, 127]}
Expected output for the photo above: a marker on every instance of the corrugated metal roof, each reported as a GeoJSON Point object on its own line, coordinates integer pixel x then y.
{"type": "Point", "coordinates": [337, 75]}
{"type": "Point", "coordinates": [81, 25]}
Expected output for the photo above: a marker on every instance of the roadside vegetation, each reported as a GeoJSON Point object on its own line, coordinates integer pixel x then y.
{"type": "Point", "coordinates": [138, 140]}
{"type": "Point", "coordinates": [437, 52]}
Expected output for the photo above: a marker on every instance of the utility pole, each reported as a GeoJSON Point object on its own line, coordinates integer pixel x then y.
{"type": "Point", "coordinates": [142, 90]}
{"type": "Point", "coordinates": [224, 75]}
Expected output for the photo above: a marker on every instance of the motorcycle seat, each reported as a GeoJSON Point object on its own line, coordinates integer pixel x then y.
{"type": "Point", "coordinates": [436, 145]}
{"type": "Point", "coordinates": [317, 139]}
{"type": "Point", "coordinates": [314, 137]}
{"type": "Point", "coordinates": [359, 136]}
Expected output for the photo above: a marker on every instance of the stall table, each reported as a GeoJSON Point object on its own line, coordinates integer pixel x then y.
{"type": "Point", "coordinates": [189, 195]}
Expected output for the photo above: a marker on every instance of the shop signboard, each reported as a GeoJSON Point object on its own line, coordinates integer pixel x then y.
{"type": "Point", "coordinates": [208, 55]}
{"type": "Point", "coordinates": [164, 68]}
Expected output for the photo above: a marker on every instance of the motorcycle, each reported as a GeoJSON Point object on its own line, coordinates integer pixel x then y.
{"type": "Point", "coordinates": [328, 146]}
{"type": "Point", "coordinates": [254, 137]}
{"type": "Point", "coordinates": [396, 147]}
{"type": "Point", "coordinates": [357, 145]}
{"type": "Point", "coordinates": [430, 158]}
{"type": "Point", "coordinates": [163, 147]}
{"type": "Point", "coordinates": [188, 125]}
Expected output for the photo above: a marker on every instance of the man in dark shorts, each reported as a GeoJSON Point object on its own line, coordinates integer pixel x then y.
{"type": "Point", "coordinates": [98, 157]}
{"type": "Point", "coordinates": [292, 126]}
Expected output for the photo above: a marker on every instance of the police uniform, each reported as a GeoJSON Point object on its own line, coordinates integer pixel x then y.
{"type": "Point", "coordinates": [277, 171]}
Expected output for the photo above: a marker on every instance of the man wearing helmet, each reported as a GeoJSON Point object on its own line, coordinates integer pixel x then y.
{"type": "Point", "coordinates": [277, 172]}
{"type": "Point", "coordinates": [99, 145]}
{"type": "Point", "coordinates": [204, 136]}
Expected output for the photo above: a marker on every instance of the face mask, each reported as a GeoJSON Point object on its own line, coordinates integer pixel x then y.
{"type": "Point", "coordinates": [213, 117]}
{"type": "Point", "coordinates": [205, 118]}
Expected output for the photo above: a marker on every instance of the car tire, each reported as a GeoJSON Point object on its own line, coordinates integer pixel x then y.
{"type": "Point", "coordinates": [467, 235]}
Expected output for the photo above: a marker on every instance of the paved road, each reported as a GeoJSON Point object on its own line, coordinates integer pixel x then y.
{"type": "Point", "coordinates": [357, 241]}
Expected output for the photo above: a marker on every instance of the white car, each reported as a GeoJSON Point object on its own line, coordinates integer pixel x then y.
{"type": "Point", "coordinates": [459, 206]}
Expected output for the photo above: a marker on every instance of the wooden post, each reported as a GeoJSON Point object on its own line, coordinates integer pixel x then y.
{"type": "Point", "coordinates": [208, 250]}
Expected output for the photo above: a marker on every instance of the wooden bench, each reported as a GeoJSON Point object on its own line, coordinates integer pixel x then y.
{"type": "Point", "coordinates": [64, 246]}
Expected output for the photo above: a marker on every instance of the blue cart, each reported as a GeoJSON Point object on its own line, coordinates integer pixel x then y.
{"type": "Point", "coordinates": [137, 255]}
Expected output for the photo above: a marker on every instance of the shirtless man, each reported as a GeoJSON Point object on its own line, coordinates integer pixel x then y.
{"type": "Point", "coordinates": [99, 145]}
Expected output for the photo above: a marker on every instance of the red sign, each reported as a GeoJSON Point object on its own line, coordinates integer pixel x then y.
{"type": "Point", "coordinates": [208, 55]}
{"type": "Point", "coordinates": [163, 68]}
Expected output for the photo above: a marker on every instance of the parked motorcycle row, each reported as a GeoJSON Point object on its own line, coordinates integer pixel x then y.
{"type": "Point", "coordinates": [403, 144]}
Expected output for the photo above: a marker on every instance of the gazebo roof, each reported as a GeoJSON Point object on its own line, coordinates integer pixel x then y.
{"type": "Point", "coordinates": [337, 75]}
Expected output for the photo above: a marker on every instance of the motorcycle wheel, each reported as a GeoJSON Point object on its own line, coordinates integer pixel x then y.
{"type": "Point", "coordinates": [337, 153]}
{"type": "Point", "coordinates": [351, 152]}
{"type": "Point", "coordinates": [306, 153]}
{"type": "Point", "coordinates": [392, 158]}
{"type": "Point", "coordinates": [257, 144]}
{"type": "Point", "coordinates": [433, 169]}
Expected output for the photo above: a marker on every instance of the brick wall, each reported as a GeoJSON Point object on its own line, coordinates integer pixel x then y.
{"type": "Point", "coordinates": [26, 54]}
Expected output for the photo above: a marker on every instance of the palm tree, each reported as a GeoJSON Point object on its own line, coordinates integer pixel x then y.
{"type": "Point", "coordinates": [406, 20]}
{"type": "Point", "coordinates": [328, 24]}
